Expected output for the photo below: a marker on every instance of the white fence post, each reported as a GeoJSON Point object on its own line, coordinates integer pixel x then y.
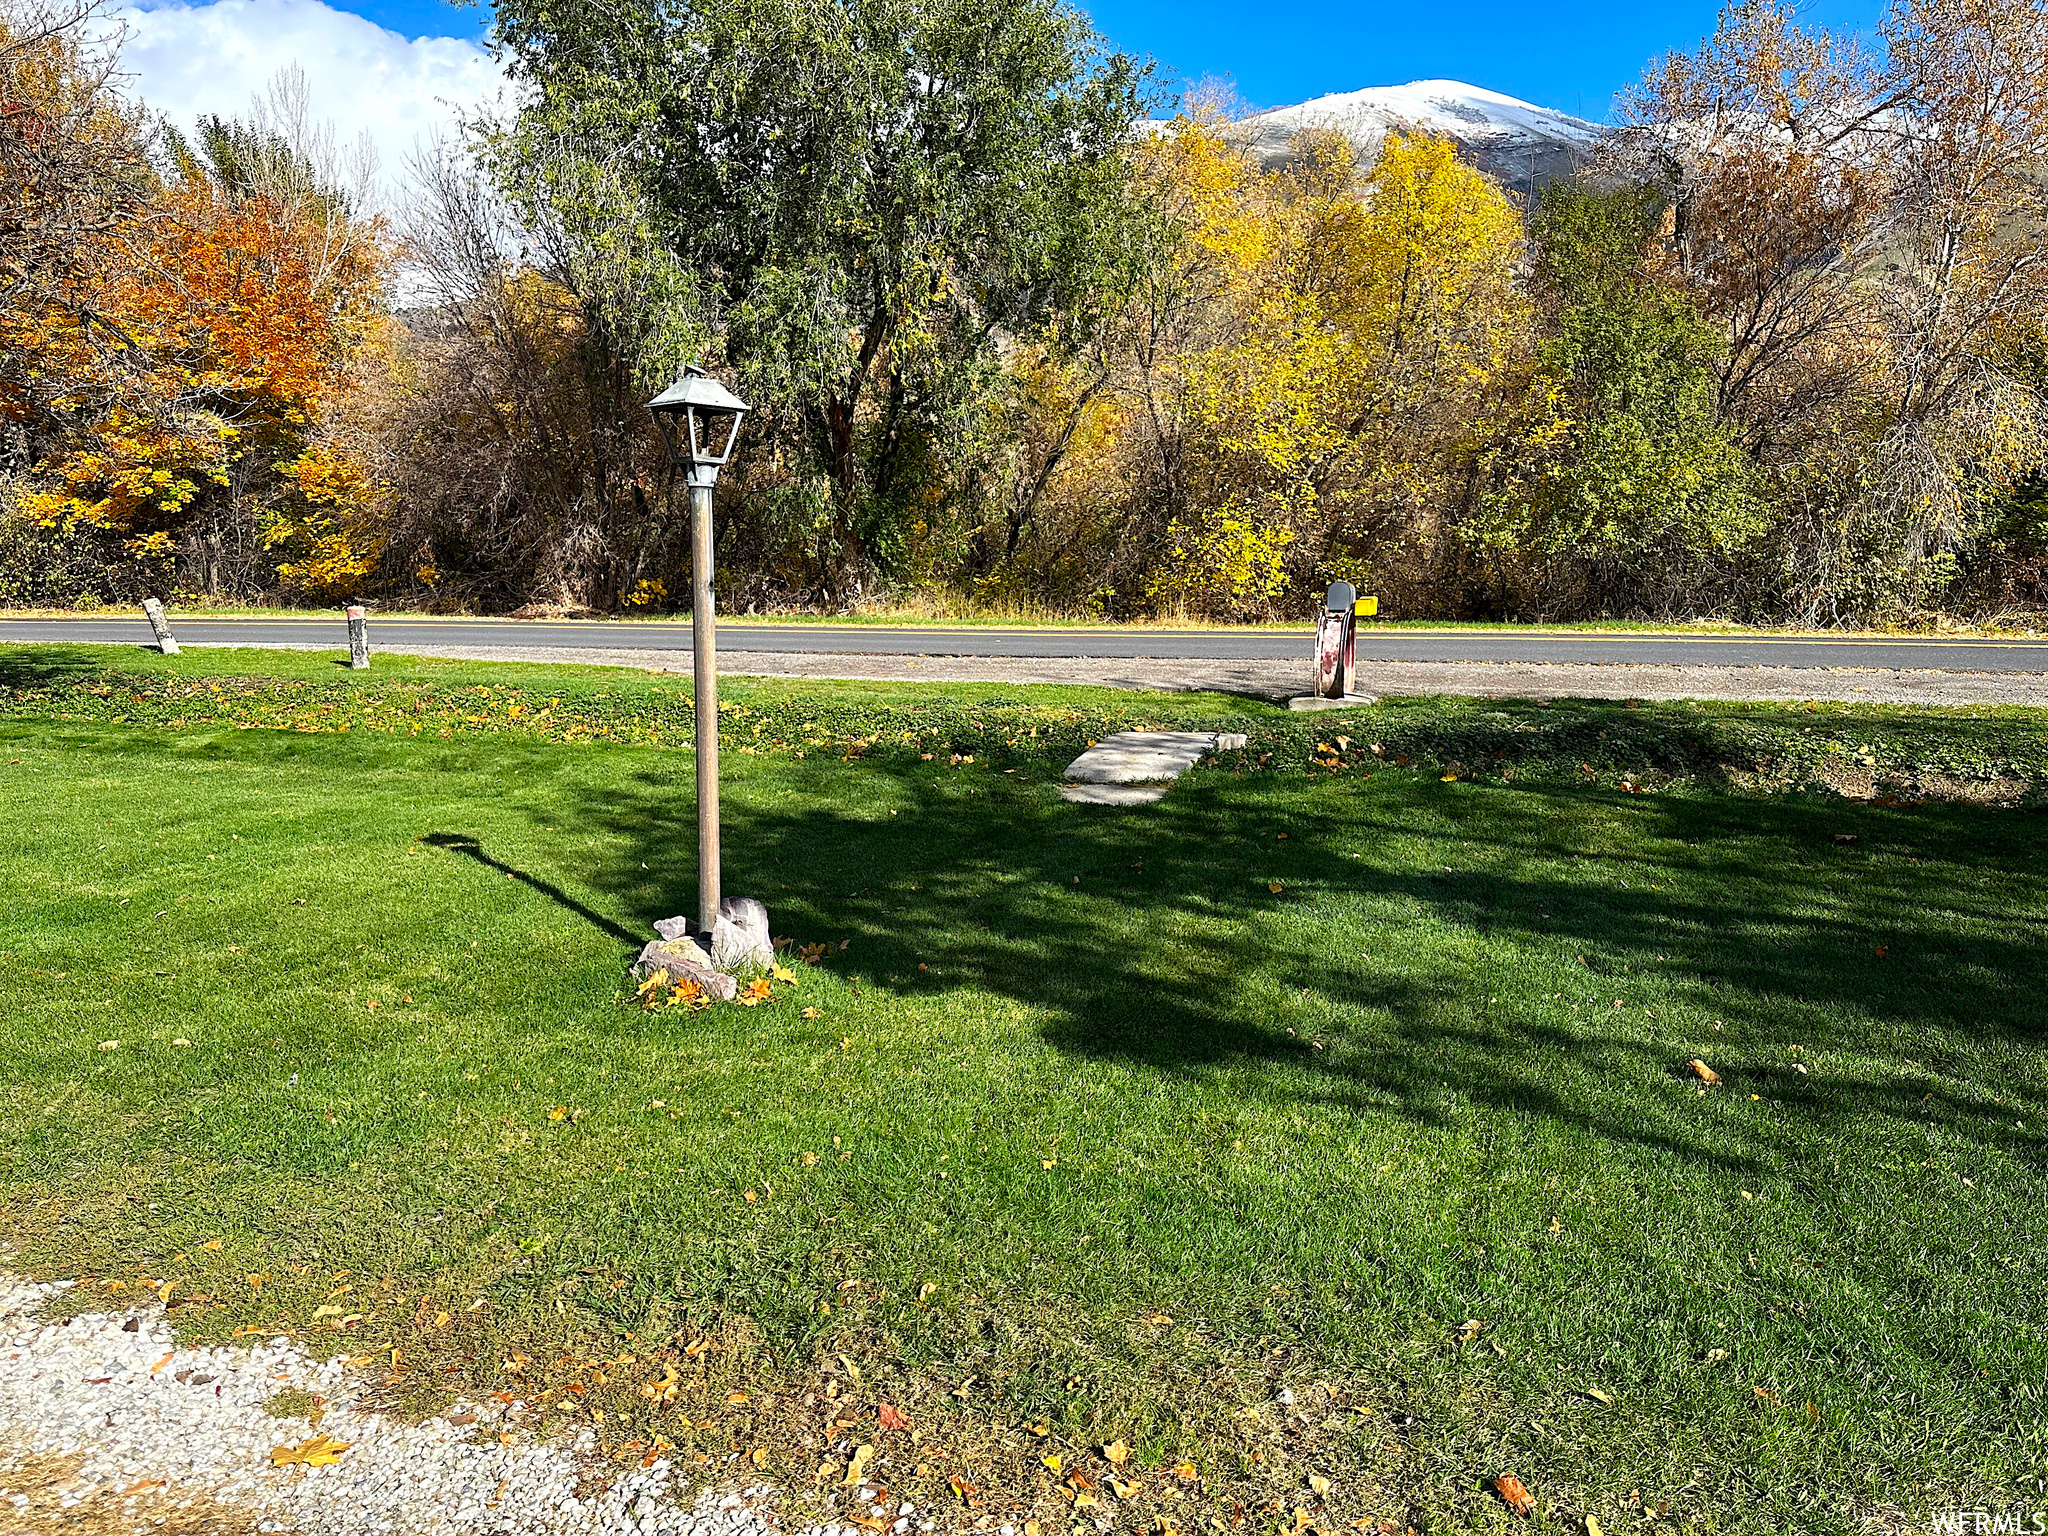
{"type": "Point", "coordinates": [166, 642]}
{"type": "Point", "coordinates": [358, 638]}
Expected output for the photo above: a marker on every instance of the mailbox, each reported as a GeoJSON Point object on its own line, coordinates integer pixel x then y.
{"type": "Point", "coordinates": [1337, 640]}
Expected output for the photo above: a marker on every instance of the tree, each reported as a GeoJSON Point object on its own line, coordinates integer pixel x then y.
{"type": "Point", "coordinates": [75, 189]}
{"type": "Point", "coordinates": [1869, 230]}
{"type": "Point", "coordinates": [524, 471]}
{"type": "Point", "coordinates": [1620, 485]}
{"type": "Point", "coordinates": [864, 201]}
{"type": "Point", "coordinates": [205, 337]}
{"type": "Point", "coordinates": [1367, 320]}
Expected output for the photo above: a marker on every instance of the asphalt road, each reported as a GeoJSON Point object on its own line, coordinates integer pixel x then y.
{"type": "Point", "coordinates": [1374, 644]}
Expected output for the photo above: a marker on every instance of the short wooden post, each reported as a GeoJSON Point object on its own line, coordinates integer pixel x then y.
{"type": "Point", "coordinates": [358, 639]}
{"type": "Point", "coordinates": [166, 642]}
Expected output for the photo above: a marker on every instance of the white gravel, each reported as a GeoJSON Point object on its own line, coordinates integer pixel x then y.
{"type": "Point", "coordinates": [134, 1409]}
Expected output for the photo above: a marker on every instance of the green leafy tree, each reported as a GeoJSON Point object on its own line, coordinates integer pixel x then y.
{"type": "Point", "coordinates": [1622, 462]}
{"type": "Point", "coordinates": [862, 204]}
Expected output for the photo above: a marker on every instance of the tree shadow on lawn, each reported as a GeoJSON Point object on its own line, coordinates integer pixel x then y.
{"type": "Point", "coordinates": [1191, 966]}
{"type": "Point", "coordinates": [56, 666]}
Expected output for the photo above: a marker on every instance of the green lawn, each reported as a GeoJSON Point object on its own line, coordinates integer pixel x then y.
{"type": "Point", "coordinates": [1345, 1083]}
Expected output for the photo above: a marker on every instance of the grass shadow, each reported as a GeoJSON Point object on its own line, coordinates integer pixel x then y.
{"type": "Point", "coordinates": [470, 848]}
{"type": "Point", "coordinates": [56, 666]}
{"type": "Point", "coordinates": [1153, 939]}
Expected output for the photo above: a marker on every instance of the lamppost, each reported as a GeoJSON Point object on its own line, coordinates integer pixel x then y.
{"type": "Point", "coordinates": [695, 415]}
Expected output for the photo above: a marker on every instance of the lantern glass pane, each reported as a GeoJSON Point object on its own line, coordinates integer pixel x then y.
{"type": "Point", "coordinates": [732, 436]}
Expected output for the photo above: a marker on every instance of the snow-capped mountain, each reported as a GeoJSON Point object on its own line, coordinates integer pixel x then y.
{"type": "Point", "coordinates": [1520, 144]}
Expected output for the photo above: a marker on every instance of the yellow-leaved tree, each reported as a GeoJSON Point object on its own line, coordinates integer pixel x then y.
{"type": "Point", "coordinates": [1357, 329]}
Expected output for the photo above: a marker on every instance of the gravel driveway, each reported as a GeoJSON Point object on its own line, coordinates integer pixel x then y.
{"type": "Point", "coordinates": [108, 1425]}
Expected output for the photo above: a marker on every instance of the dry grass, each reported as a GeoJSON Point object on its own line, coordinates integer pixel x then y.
{"type": "Point", "coordinates": [53, 1486]}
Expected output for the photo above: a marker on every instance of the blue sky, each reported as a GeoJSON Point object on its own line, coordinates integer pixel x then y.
{"type": "Point", "coordinates": [1570, 56]}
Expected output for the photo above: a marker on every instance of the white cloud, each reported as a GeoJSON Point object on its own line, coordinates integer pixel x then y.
{"type": "Point", "coordinates": [188, 60]}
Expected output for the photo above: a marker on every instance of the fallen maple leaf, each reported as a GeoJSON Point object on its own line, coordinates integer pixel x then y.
{"type": "Point", "coordinates": [893, 1417]}
{"type": "Point", "coordinates": [320, 1451]}
{"type": "Point", "coordinates": [1117, 1452]}
{"type": "Point", "coordinates": [857, 1468]}
{"type": "Point", "coordinates": [813, 1013]}
{"type": "Point", "coordinates": [1703, 1072]}
{"type": "Point", "coordinates": [1513, 1494]}
{"type": "Point", "coordinates": [1275, 887]}
{"type": "Point", "coordinates": [782, 973]}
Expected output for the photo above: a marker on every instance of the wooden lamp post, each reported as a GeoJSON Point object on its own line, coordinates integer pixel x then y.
{"type": "Point", "coordinates": [699, 420]}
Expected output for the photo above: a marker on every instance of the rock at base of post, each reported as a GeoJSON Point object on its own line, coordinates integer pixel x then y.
{"type": "Point", "coordinates": [684, 961]}
{"type": "Point", "coordinates": [739, 940]}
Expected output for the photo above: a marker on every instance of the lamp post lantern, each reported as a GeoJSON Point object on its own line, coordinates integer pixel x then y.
{"type": "Point", "coordinates": [699, 420]}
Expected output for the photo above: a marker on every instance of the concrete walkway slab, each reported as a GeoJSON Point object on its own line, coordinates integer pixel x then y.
{"type": "Point", "coordinates": [1134, 767]}
{"type": "Point", "coordinates": [1113, 794]}
{"type": "Point", "coordinates": [1143, 757]}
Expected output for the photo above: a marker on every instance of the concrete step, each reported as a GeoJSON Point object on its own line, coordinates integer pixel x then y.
{"type": "Point", "coordinates": [1141, 758]}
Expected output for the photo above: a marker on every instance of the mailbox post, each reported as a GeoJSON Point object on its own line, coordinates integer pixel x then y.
{"type": "Point", "coordinates": [1337, 642]}
{"type": "Point", "coordinates": [1335, 663]}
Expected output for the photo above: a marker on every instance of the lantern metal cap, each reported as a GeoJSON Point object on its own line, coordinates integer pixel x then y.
{"type": "Point", "coordinates": [695, 387]}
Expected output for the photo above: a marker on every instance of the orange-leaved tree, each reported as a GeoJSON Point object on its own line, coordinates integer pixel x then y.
{"type": "Point", "coordinates": [247, 292]}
